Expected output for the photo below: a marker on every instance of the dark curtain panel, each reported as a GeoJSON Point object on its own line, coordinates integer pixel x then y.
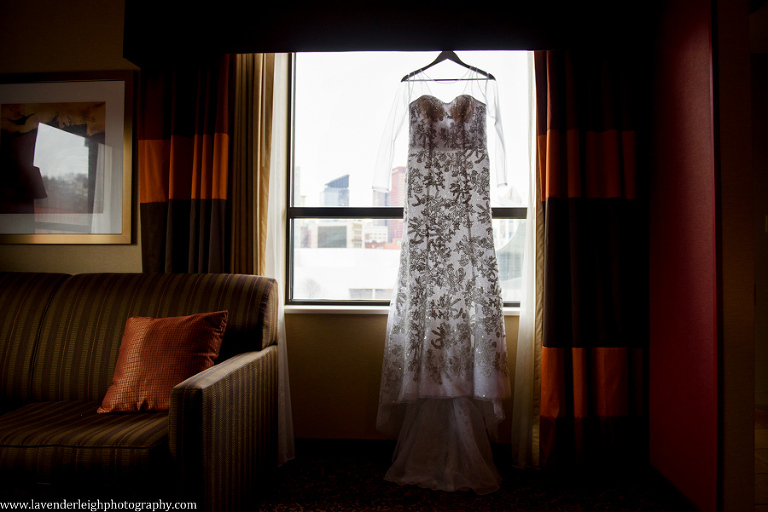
{"type": "Point", "coordinates": [592, 377]}
{"type": "Point", "coordinates": [184, 132]}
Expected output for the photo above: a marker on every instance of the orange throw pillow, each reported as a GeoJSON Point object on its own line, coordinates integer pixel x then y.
{"type": "Point", "coordinates": [158, 353]}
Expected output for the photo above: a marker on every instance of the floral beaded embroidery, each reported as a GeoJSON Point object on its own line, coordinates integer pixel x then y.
{"type": "Point", "coordinates": [446, 333]}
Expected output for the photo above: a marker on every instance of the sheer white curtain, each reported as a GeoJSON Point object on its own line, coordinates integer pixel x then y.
{"type": "Point", "coordinates": [525, 451]}
{"type": "Point", "coordinates": [275, 260]}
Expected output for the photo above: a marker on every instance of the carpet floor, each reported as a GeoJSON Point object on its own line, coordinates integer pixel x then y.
{"type": "Point", "coordinates": [342, 476]}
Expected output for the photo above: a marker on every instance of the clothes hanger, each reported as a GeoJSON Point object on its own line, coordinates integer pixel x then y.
{"type": "Point", "coordinates": [446, 55]}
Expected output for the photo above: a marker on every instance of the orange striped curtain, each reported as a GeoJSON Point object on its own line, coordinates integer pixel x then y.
{"type": "Point", "coordinates": [184, 132]}
{"type": "Point", "coordinates": [594, 289]}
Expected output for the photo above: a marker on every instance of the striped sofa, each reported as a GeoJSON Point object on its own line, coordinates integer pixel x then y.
{"type": "Point", "coordinates": [59, 341]}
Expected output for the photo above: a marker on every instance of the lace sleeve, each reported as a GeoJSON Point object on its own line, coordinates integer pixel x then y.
{"type": "Point", "coordinates": [499, 156]}
{"type": "Point", "coordinates": [392, 132]}
{"type": "Point", "coordinates": [483, 90]}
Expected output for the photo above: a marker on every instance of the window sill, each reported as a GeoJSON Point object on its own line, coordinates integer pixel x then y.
{"type": "Point", "coordinates": [357, 310]}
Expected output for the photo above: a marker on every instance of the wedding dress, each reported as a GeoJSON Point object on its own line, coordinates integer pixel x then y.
{"type": "Point", "coordinates": [444, 373]}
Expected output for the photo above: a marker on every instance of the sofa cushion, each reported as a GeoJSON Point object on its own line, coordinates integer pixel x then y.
{"type": "Point", "coordinates": [80, 337]}
{"type": "Point", "coordinates": [24, 298]}
{"type": "Point", "coordinates": [158, 353]}
{"type": "Point", "coordinates": [55, 441]}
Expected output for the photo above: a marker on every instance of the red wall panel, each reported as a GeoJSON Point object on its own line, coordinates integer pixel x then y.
{"type": "Point", "coordinates": [683, 257]}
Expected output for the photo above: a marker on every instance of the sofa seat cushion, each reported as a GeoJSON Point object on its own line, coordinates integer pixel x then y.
{"type": "Point", "coordinates": [58, 441]}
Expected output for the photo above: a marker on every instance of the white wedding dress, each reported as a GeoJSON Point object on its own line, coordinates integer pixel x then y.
{"type": "Point", "coordinates": [444, 373]}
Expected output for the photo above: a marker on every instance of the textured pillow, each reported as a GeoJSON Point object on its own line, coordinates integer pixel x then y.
{"type": "Point", "coordinates": [158, 353]}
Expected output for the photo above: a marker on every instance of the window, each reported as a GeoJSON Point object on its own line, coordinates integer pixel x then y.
{"type": "Point", "coordinates": [344, 238]}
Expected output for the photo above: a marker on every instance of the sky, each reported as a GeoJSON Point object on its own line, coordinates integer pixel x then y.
{"type": "Point", "coordinates": [343, 101]}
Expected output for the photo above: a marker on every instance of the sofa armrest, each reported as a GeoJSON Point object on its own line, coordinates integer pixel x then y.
{"type": "Point", "coordinates": [223, 431]}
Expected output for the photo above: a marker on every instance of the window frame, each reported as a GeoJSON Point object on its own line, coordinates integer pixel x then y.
{"type": "Point", "coordinates": [343, 212]}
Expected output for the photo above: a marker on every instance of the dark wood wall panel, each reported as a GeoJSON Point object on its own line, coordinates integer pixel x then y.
{"type": "Point", "coordinates": [153, 31]}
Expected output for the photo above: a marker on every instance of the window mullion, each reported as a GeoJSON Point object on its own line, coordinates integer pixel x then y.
{"type": "Point", "coordinates": [345, 212]}
{"type": "Point", "coordinates": [382, 212]}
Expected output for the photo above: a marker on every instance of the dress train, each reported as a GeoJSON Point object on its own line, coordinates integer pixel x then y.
{"type": "Point", "coordinates": [443, 445]}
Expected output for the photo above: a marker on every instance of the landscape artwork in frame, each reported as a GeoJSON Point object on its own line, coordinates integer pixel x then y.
{"type": "Point", "coordinates": [65, 158]}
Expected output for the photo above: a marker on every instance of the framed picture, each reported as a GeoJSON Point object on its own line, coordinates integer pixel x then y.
{"type": "Point", "coordinates": [65, 158]}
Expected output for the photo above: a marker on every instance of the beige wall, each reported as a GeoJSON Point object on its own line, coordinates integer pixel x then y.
{"type": "Point", "coordinates": [335, 368]}
{"type": "Point", "coordinates": [46, 36]}
{"type": "Point", "coordinates": [334, 360]}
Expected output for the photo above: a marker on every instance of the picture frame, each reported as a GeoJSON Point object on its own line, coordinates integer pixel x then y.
{"type": "Point", "coordinates": [66, 158]}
